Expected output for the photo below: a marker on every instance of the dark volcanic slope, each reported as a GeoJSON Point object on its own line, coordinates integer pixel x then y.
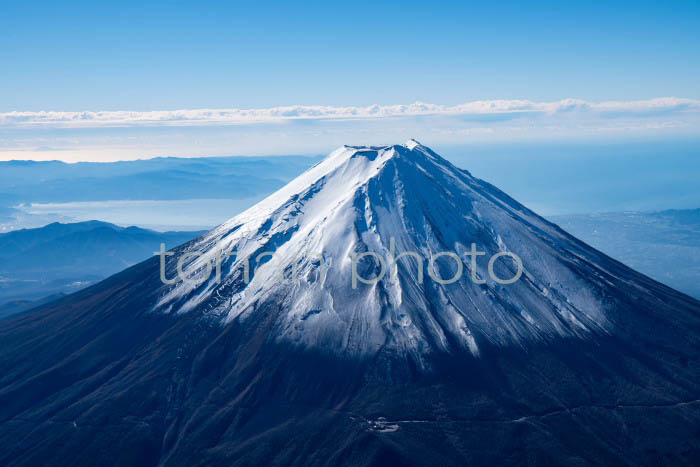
{"type": "Point", "coordinates": [98, 377]}
{"type": "Point", "coordinates": [94, 377]}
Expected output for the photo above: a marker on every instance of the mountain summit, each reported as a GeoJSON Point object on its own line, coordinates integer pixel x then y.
{"type": "Point", "coordinates": [384, 308]}
{"type": "Point", "coordinates": [406, 202]}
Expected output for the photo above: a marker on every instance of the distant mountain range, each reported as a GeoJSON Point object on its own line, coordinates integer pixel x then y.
{"type": "Point", "coordinates": [158, 178]}
{"type": "Point", "coordinates": [62, 258]}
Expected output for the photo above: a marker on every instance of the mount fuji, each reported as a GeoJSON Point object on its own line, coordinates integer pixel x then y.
{"type": "Point", "coordinates": [348, 318]}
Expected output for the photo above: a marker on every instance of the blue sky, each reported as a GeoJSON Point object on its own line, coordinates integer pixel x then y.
{"type": "Point", "coordinates": [170, 55]}
{"type": "Point", "coordinates": [145, 56]}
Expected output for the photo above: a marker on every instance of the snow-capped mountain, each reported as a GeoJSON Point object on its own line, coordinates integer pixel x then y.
{"type": "Point", "coordinates": [288, 361]}
{"type": "Point", "coordinates": [364, 199]}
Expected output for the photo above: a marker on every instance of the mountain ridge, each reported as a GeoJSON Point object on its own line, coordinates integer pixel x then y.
{"type": "Point", "coordinates": [38, 262]}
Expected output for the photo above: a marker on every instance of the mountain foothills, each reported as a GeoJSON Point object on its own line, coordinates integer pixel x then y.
{"type": "Point", "coordinates": [271, 354]}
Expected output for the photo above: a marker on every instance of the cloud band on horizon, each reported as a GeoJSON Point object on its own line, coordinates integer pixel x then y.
{"type": "Point", "coordinates": [482, 109]}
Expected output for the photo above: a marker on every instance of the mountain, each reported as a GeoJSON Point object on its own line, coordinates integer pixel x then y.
{"type": "Point", "coordinates": [65, 257]}
{"type": "Point", "coordinates": [665, 245]}
{"type": "Point", "coordinates": [158, 178]}
{"type": "Point", "coordinates": [553, 354]}
{"type": "Point", "coordinates": [161, 193]}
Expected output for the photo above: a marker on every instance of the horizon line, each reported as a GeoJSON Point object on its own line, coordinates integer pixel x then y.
{"type": "Point", "coordinates": [233, 116]}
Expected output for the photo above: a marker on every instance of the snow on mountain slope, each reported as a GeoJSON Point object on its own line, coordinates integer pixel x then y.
{"type": "Point", "coordinates": [366, 199]}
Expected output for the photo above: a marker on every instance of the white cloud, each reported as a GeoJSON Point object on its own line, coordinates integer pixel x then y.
{"type": "Point", "coordinates": [475, 109]}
